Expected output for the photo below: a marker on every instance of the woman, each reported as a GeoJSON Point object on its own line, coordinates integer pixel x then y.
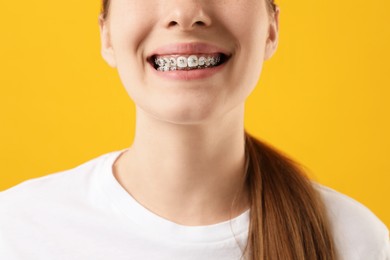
{"type": "Point", "coordinates": [193, 185]}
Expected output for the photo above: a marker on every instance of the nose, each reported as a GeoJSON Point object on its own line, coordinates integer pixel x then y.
{"type": "Point", "coordinates": [186, 15]}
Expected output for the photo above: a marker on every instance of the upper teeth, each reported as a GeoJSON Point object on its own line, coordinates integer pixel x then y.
{"type": "Point", "coordinates": [166, 63]}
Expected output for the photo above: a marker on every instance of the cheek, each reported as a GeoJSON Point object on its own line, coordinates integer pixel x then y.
{"type": "Point", "coordinates": [131, 22]}
{"type": "Point", "coordinates": [250, 29]}
{"type": "Point", "coordinates": [244, 17]}
{"type": "Point", "coordinates": [130, 27]}
{"type": "Point", "coordinates": [249, 56]}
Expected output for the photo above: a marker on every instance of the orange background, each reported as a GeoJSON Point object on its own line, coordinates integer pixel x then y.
{"type": "Point", "coordinates": [323, 98]}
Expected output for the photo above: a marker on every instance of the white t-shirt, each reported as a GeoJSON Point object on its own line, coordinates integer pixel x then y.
{"type": "Point", "coordinates": [84, 213]}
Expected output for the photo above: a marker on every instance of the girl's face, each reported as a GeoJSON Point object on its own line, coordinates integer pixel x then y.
{"type": "Point", "coordinates": [240, 32]}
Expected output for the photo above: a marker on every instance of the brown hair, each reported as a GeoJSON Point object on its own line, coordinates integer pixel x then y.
{"type": "Point", "coordinates": [105, 8]}
{"type": "Point", "coordinates": [287, 217]}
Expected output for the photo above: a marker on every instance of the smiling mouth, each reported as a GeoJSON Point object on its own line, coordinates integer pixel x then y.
{"type": "Point", "coordinates": [176, 62]}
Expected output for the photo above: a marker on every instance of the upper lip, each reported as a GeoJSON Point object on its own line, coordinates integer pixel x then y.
{"type": "Point", "coordinates": [188, 48]}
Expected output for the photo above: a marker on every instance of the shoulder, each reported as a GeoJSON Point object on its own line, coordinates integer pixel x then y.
{"type": "Point", "coordinates": [43, 207]}
{"type": "Point", "coordinates": [357, 231]}
{"type": "Point", "coordinates": [54, 186]}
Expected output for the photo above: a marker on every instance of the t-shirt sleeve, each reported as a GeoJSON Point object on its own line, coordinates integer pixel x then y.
{"type": "Point", "coordinates": [386, 250]}
{"type": "Point", "coordinates": [358, 233]}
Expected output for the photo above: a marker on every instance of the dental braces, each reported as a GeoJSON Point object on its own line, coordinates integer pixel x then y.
{"type": "Point", "coordinates": [183, 63]}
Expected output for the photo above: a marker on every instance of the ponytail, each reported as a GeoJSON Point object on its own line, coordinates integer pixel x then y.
{"type": "Point", "coordinates": [287, 217]}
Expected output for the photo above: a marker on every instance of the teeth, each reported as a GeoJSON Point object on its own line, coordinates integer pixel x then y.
{"type": "Point", "coordinates": [202, 61]}
{"type": "Point", "coordinates": [172, 62]}
{"type": "Point", "coordinates": [192, 61]}
{"type": "Point", "coordinates": [182, 62]}
{"type": "Point", "coordinates": [207, 62]}
{"type": "Point", "coordinates": [160, 62]}
{"type": "Point", "coordinates": [169, 63]}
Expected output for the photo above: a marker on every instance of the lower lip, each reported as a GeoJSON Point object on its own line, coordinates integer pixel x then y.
{"type": "Point", "coordinates": [189, 74]}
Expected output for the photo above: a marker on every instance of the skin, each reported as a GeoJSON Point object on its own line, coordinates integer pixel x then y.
{"type": "Point", "coordinates": [186, 163]}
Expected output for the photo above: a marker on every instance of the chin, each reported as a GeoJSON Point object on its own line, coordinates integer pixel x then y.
{"type": "Point", "coordinates": [184, 114]}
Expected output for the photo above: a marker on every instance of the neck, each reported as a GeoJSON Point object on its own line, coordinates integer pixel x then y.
{"type": "Point", "coordinates": [189, 174]}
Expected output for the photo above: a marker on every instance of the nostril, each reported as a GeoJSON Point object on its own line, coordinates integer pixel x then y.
{"type": "Point", "coordinates": [172, 23]}
{"type": "Point", "coordinates": [195, 24]}
{"type": "Point", "coordinates": [200, 23]}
